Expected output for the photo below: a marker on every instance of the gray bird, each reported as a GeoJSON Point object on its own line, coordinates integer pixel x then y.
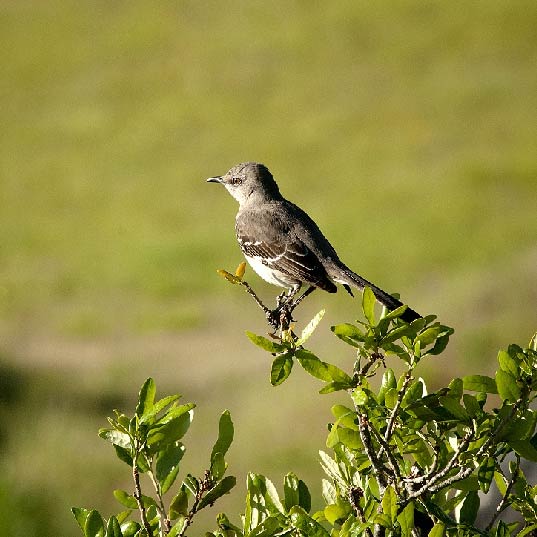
{"type": "Point", "coordinates": [283, 244]}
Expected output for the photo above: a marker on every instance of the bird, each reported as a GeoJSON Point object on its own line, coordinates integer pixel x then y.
{"type": "Point", "coordinates": [283, 245]}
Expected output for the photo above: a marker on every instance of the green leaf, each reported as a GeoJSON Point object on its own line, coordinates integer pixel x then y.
{"type": "Point", "coordinates": [295, 493]}
{"type": "Point", "coordinates": [226, 432]}
{"type": "Point", "coordinates": [388, 382]}
{"type": "Point", "coordinates": [179, 504]}
{"type": "Point", "coordinates": [414, 392]}
{"type": "Point", "coordinates": [368, 305]}
{"type": "Point", "coordinates": [501, 482]}
{"type": "Point", "coordinates": [438, 530]}
{"type": "Point", "coordinates": [359, 396]}
{"type": "Point", "coordinates": [389, 503]}
{"type": "Point", "coordinates": [507, 386]}
{"type": "Point", "coordinates": [349, 334]}
{"type": "Point", "coordinates": [508, 364]}
{"type": "Point", "coordinates": [428, 336]}
{"type": "Point", "coordinates": [158, 407]}
{"type": "Point", "coordinates": [80, 515]}
{"type": "Point", "coordinates": [310, 328]}
{"type": "Point", "coordinates": [331, 387]}
{"type": "Point", "coordinates": [125, 499]}
{"type": "Point", "coordinates": [479, 383]}
{"type": "Point", "coordinates": [146, 397]}
{"type": "Point", "coordinates": [528, 530]}
{"type": "Point", "coordinates": [218, 466]}
{"type": "Point", "coordinates": [265, 344]}
{"type": "Point", "coordinates": [520, 427]}
{"type": "Point", "coordinates": [396, 313]}
{"type": "Point", "coordinates": [113, 529]}
{"type": "Point", "coordinates": [261, 501]}
{"type": "Point", "coordinates": [319, 369]}
{"type": "Point", "coordinates": [281, 368]}
{"type": "Point", "coordinates": [290, 491]}
{"type": "Point", "coordinates": [123, 455]}
{"type": "Point", "coordinates": [485, 473]}
{"type": "Point", "coordinates": [306, 525]}
{"type": "Point", "coordinates": [524, 448]}
{"type": "Point", "coordinates": [171, 427]}
{"type": "Point", "coordinates": [406, 520]}
{"type": "Point", "coordinates": [454, 408]}
{"type": "Point", "coordinates": [335, 512]}
{"type": "Point", "coordinates": [349, 438]}
{"type": "Point", "coordinates": [221, 488]}
{"type": "Point", "coordinates": [469, 508]}
{"type": "Point", "coordinates": [397, 333]}
{"type": "Point", "coordinates": [332, 470]}
{"type": "Point", "coordinates": [177, 528]}
{"type": "Point", "coordinates": [130, 528]}
{"type": "Point", "coordinates": [471, 404]}
{"type": "Point", "coordinates": [167, 465]}
{"type": "Point", "coordinates": [94, 525]}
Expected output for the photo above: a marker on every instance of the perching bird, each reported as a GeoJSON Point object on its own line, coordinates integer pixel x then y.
{"type": "Point", "coordinates": [283, 244]}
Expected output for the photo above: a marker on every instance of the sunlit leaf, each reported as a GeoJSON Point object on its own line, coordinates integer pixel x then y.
{"type": "Point", "coordinates": [265, 344]}
{"type": "Point", "coordinates": [226, 432]}
{"type": "Point", "coordinates": [479, 383]}
{"type": "Point", "coordinates": [507, 386]}
{"type": "Point", "coordinates": [167, 465]}
{"type": "Point", "coordinates": [310, 328]}
{"type": "Point", "coordinates": [368, 305]}
{"type": "Point", "coordinates": [94, 525]}
{"type": "Point", "coordinates": [146, 397]}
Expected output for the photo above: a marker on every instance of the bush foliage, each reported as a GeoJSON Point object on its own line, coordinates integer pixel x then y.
{"type": "Point", "coordinates": [399, 460]}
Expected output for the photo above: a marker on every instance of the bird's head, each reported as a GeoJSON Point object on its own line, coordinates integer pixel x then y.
{"type": "Point", "coordinates": [249, 181]}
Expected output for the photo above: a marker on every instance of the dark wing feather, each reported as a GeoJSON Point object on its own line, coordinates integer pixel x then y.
{"type": "Point", "coordinates": [265, 236]}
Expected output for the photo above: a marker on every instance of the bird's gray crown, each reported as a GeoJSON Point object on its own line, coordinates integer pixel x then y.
{"type": "Point", "coordinates": [249, 182]}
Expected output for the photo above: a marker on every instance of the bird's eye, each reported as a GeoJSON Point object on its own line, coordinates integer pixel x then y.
{"type": "Point", "coordinates": [236, 180]}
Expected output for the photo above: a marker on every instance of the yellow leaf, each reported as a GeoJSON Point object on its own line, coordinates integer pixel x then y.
{"type": "Point", "coordinates": [228, 276]}
{"type": "Point", "coordinates": [240, 270]}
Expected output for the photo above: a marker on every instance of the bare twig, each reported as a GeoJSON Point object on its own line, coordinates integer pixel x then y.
{"type": "Point", "coordinates": [365, 436]}
{"type": "Point", "coordinates": [429, 485]}
{"type": "Point", "coordinates": [385, 447]}
{"type": "Point", "coordinates": [354, 496]}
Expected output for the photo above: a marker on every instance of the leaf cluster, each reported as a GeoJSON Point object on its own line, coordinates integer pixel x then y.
{"type": "Point", "coordinates": [400, 461]}
{"type": "Point", "coordinates": [150, 443]}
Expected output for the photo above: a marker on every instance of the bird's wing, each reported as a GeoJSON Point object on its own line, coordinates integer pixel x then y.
{"type": "Point", "coordinates": [269, 238]}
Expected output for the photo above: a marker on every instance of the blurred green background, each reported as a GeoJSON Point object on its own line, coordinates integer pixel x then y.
{"type": "Point", "coordinates": [407, 129]}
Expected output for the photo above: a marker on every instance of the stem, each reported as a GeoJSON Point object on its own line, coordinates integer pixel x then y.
{"type": "Point", "coordinates": [395, 410]}
{"type": "Point", "coordinates": [428, 486]}
{"type": "Point", "coordinates": [392, 461]}
{"type": "Point", "coordinates": [365, 435]}
{"type": "Point", "coordinates": [138, 496]}
{"type": "Point", "coordinates": [204, 486]}
{"type": "Point", "coordinates": [165, 529]}
{"type": "Point", "coordinates": [503, 503]}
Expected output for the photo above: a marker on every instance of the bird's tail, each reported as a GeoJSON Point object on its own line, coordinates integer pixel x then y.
{"type": "Point", "coordinates": [348, 278]}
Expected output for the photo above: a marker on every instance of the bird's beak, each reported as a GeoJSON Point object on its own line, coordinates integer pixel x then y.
{"type": "Point", "coordinates": [214, 180]}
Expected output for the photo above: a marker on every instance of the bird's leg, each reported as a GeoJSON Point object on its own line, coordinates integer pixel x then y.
{"type": "Point", "coordinates": [296, 302]}
{"type": "Point", "coordinates": [281, 316]}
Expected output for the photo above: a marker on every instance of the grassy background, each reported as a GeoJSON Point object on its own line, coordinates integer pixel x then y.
{"type": "Point", "coordinates": [408, 130]}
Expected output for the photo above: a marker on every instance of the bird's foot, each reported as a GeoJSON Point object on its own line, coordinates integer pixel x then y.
{"type": "Point", "coordinates": [281, 317]}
